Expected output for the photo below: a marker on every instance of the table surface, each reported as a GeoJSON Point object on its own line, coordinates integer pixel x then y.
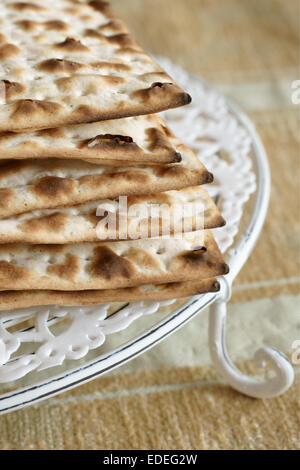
{"type": "Point", "coordinates": [170, 398]}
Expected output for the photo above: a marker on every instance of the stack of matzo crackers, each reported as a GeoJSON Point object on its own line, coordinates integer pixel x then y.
{"type": "Point", "coordinates": [78, 130]}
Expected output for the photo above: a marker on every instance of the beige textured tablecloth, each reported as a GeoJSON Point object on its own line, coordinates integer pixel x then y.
{"type": "Point", "coordinates": [170, 397]}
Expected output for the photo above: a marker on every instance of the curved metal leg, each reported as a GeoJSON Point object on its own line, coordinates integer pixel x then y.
{"type": "Point", "coordinates": [249, 386]}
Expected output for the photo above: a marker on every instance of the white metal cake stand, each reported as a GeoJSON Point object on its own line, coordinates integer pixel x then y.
{"type": "Point", "coordinates": [48, 350]}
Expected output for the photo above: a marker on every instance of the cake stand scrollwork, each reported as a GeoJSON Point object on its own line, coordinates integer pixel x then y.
{"type": "Point", "coordinates": [281, 366]}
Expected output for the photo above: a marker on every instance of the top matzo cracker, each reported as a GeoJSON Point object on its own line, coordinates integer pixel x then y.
{"type": "Point", "coordinates": [72, 61]}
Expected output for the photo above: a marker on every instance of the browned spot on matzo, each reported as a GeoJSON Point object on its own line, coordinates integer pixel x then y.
{"type": "Point", "coordinates": [196, 257]}
{"type": "Point", "coordinates": [172, 171]}
{"type": "Point", "coordinates": [59, 66]}
{"type": "Point", "coordinates": [158, 143]}
{"type": "Point", "coordinates": [72, 11]}
{"type": "Point", "coordinates": [9, 50]}
{"type": "Point", "coordinates": [47, 223]}
{"type": "Point", "coordinates": [45, 248]}
{"type": "Point", "coordinates": [9, 167]}
{"type": "Point", "coordinates": [10, 272]}
{"type": "Point", "coordinates": [54, 186]}
{"type": "Point", "coordinates": [108, 264]}
{"type": "Point", "coordinates": [27, 6]}
{"type": "Point", "coordinates": [144, 258]}
{"type": "Point", "coordinates": [200, 258]}
{"type": "Point", "coordinates": [10, 248]}
{"type": "Point", "coordinates": [72, 45]}
{"type": "Point", "coordinates": [123, 40]}
{"type": "Point", "coordinates": [67, 270]}
{"type": "Point", "coordinates": [56, 25]}
{"type": "Point", "coordinates": [29, 108]}
{"type": "Point", "coordinates": [102, 6]}
{"type": "Point", "coordinates": [112, 80]}
{"type": "Point", "coordinates": [115, 25]}
{"type": "Point", "coordinates": [55, 133]}
{"type": "Point", "coordinates": [6, 196]}
{"type": "Point", "coordinates": [12, 89]}
{"type": "Point", "coordinates": [93, 33]}
{"type": "Point", "coordinates": [167, 131]}
{"type": "Point", "coordinates": [94, 219]}
{"type": "Point", "coordinates": [28, 25]}
{"type": "Point", "coordinates": [110, 141]}
{"type": "Point", "coordinates": [158, 89]}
